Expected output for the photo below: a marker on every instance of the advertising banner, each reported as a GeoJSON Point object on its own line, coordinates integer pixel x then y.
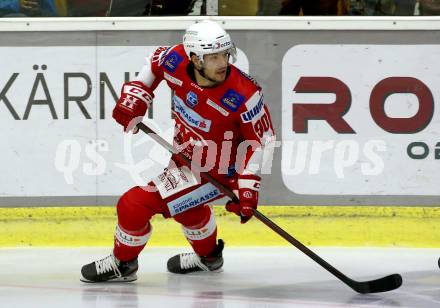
{"type": "Point", "coordinates": [58, 136]}
{"type": "Point", "coordinates": [355, 112]}
{"type": "Point", "coordinates": [361, 119]}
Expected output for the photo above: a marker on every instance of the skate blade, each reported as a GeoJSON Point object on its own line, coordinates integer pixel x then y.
{"type": "Point", "coordinates": [121, 279]}
{"type": "Point", "coordinates": [220, 270]}
{"type": "Point", "coordinates": [201, 273]}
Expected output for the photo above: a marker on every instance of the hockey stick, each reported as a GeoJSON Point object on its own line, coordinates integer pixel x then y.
{"type": "Point", "coordinates": [384, 284]}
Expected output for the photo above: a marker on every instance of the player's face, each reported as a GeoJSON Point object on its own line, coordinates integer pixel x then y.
{"type": "Point", "coordinates": [215, 66]}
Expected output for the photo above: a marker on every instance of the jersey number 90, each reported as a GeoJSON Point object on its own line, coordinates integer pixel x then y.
{"type": "Point", "coordinates": [262, 125]}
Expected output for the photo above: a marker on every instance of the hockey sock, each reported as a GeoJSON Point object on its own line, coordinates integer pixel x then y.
{"type": "Point", "coordinates": [129, 244]}
{"type": "Point", "coordinates": [202, 236]}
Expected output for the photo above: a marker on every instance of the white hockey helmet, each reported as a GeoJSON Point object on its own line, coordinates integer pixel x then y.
{"type": "Point", "coordinates": [207, 37]}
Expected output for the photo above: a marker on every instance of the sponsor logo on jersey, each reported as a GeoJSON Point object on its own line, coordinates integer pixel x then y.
{"type": "Point", "coordinates": [190, 116]}
{"type": "Point", "coordinates": [217, 107]}
{"type": "Point", "coordinates": [191, 99]}
{"type": "Point", "coordinates": [203, 232]}
{"type": "Point", "coordinates": [172, 61]}
{"type": "Point", "coordinates": [172, 79]}
{"type": "Point", "coordinates": [199, 196]}
{"type": "Point", "coordinates": [249, 115]}
{"type": "Point", "coordinates": [197, 86]}
{"type": "Point", "coordinates": [232, 100]}
{"type": "Point", "coordinates": [131, 240]}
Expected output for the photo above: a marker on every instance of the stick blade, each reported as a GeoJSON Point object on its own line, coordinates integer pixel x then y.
{"type": "Point", "coordinates": [383, 284]}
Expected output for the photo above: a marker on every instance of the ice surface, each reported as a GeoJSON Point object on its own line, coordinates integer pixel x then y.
{"type": "Point", "coordinates": [252, 277]}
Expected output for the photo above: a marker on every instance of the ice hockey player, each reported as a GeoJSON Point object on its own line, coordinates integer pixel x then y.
{"type": "Point", "coordinates": [218, 110]}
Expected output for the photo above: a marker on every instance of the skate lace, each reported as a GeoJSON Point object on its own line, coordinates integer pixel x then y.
{"type": "Point", "coordinates": [106, 265]}
{"type": "Point", "coordinates": [191, 260]}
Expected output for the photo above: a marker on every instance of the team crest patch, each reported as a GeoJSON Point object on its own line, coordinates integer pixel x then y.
{"type": "Point", "coordinates": [232, 100]}
{"type": "Point", "coordinates": [191, 99]}
{"type": "Point", "coordinates": [172, 61]}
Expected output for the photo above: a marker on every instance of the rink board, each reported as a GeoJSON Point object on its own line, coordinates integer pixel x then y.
{"type": "Point", "coordinates": [60, 79]}
{"type": "Point", "coordinates": [312, 225]}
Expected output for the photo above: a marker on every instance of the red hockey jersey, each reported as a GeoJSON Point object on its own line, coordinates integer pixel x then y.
{"type": "Point", "coordinates": [228, 123]}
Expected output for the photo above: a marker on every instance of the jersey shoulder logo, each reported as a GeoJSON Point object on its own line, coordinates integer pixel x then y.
{"type": "Point", "coordinates": [172, 61]}
{"type": "Point", "coordinates": [232, 100]}
{"type": "Point", "coordinates": [253, 112]}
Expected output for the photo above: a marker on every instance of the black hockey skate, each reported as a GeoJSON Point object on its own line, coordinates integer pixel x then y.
{"type": "Point", "coordinates": [110, 269]}
{"type": "Point", "coordinates": [185, 263]}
